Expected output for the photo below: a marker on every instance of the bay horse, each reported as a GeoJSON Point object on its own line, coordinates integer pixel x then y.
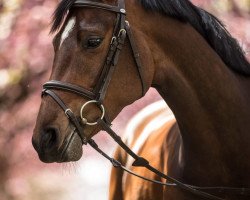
{"type": "Point", "coordinates": [107, 56]}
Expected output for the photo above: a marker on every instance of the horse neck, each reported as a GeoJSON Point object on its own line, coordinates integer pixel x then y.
{"type": "Point", "coordinates": [210, 101]}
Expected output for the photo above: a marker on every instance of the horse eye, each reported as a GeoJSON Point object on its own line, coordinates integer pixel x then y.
{"type": "Point", "coordinates": [93, 43]}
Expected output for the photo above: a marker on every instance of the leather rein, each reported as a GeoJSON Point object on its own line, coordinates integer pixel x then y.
{"type": "Point", "coordinates": [121, 32]}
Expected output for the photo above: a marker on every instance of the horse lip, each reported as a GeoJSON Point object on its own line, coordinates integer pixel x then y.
{"type": "Point", "coordinates": [67, 142]}
{"type": "Point", "coordinates": [45, 158]}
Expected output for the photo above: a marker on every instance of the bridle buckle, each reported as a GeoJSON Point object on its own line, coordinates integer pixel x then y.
{"type": "Point", "coordinates": [67, 112]}
{"type": "Point", "coordinates": [122, 31]}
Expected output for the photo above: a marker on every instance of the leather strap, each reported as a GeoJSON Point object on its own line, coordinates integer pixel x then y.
{"type": "Point", "coordinates": [59, 85]}
{"type": "Point", "coordinates": [219, 190]}
{"type": "Point", "coordinates": [104, 87]}
{"type": "Point", "coordinates": [73, 119]}
{"type": "Point", "coordinates": [117, 164]}
{"type": "Point", "coordinates": [91, 4]}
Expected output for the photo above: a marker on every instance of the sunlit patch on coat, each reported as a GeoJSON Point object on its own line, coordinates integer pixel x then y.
{"type": "Point", "coordinates": [159, 114]}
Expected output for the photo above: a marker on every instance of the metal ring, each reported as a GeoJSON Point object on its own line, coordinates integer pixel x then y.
{"type": "Point", "coordinates": [120, 32]}
{"type": "Point", "coordinates": [112, 40]}
{"type": "Point", "coordinates": [122, 10]}
{"type": "Point", "coordinates": [101, 107]}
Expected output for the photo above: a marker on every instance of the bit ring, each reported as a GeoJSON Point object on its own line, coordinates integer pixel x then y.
{"type": "Point", "coordinates": [100, 106]}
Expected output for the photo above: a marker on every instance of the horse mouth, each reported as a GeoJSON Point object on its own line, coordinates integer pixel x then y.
{"type": "Point", "coordinates": [72, 148]}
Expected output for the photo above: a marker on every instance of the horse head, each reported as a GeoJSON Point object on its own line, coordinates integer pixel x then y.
{"type": "Point", "coordinates": [92, 56]}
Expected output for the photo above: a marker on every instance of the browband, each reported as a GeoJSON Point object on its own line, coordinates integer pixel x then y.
{"type": "Point", "coordinates": [90, 4]}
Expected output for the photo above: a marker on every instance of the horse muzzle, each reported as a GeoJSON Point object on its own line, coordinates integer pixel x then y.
{"type": "Point", "coordinates": [50, 148]}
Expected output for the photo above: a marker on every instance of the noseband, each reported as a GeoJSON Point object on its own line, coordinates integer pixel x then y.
{"type": "Point", "coordinates": [120, 33]}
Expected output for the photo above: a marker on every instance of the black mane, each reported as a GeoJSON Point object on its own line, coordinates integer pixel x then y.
{"type": "Point", "coordinates": [205, 23]}
{"type": "Point", "coordinates": [208, 26]}
{"type": "Point", "coordinates": [60, 13]}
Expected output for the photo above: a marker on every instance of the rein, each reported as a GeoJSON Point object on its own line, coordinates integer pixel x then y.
{"type": "Point", "coordinates": [121, 32]}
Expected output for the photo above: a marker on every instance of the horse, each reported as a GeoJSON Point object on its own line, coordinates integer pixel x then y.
{"type": "Point", "coordinates": [108, 54]}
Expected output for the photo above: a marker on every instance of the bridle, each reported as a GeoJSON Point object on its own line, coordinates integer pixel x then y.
{"type": "Point", "coordinates": [120, 33]}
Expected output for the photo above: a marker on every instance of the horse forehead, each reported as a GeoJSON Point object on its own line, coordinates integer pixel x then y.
{"type": "Point", "coordinates": [68, 29]}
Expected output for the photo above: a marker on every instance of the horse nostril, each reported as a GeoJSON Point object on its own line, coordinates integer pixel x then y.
{"type": "Point", "coordinates": [49, 138]}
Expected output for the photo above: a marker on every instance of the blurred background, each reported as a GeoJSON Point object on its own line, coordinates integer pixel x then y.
{"type": "Point", "coordinates": [25, 59]}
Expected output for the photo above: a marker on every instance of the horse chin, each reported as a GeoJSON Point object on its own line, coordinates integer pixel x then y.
{"type": "Point", "coordinates": [72, 150]}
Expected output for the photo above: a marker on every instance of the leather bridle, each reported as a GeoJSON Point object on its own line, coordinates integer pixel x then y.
{"type": "Point", "coordinates": [120, 33]}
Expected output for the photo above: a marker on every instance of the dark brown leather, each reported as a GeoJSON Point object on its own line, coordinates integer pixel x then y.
{"type": "Point", "coordinates": [142, 162]}
{"type": "Point", "coordinates": [91, 4]}
{"type": "Point", "coordinates": [58, 85]}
